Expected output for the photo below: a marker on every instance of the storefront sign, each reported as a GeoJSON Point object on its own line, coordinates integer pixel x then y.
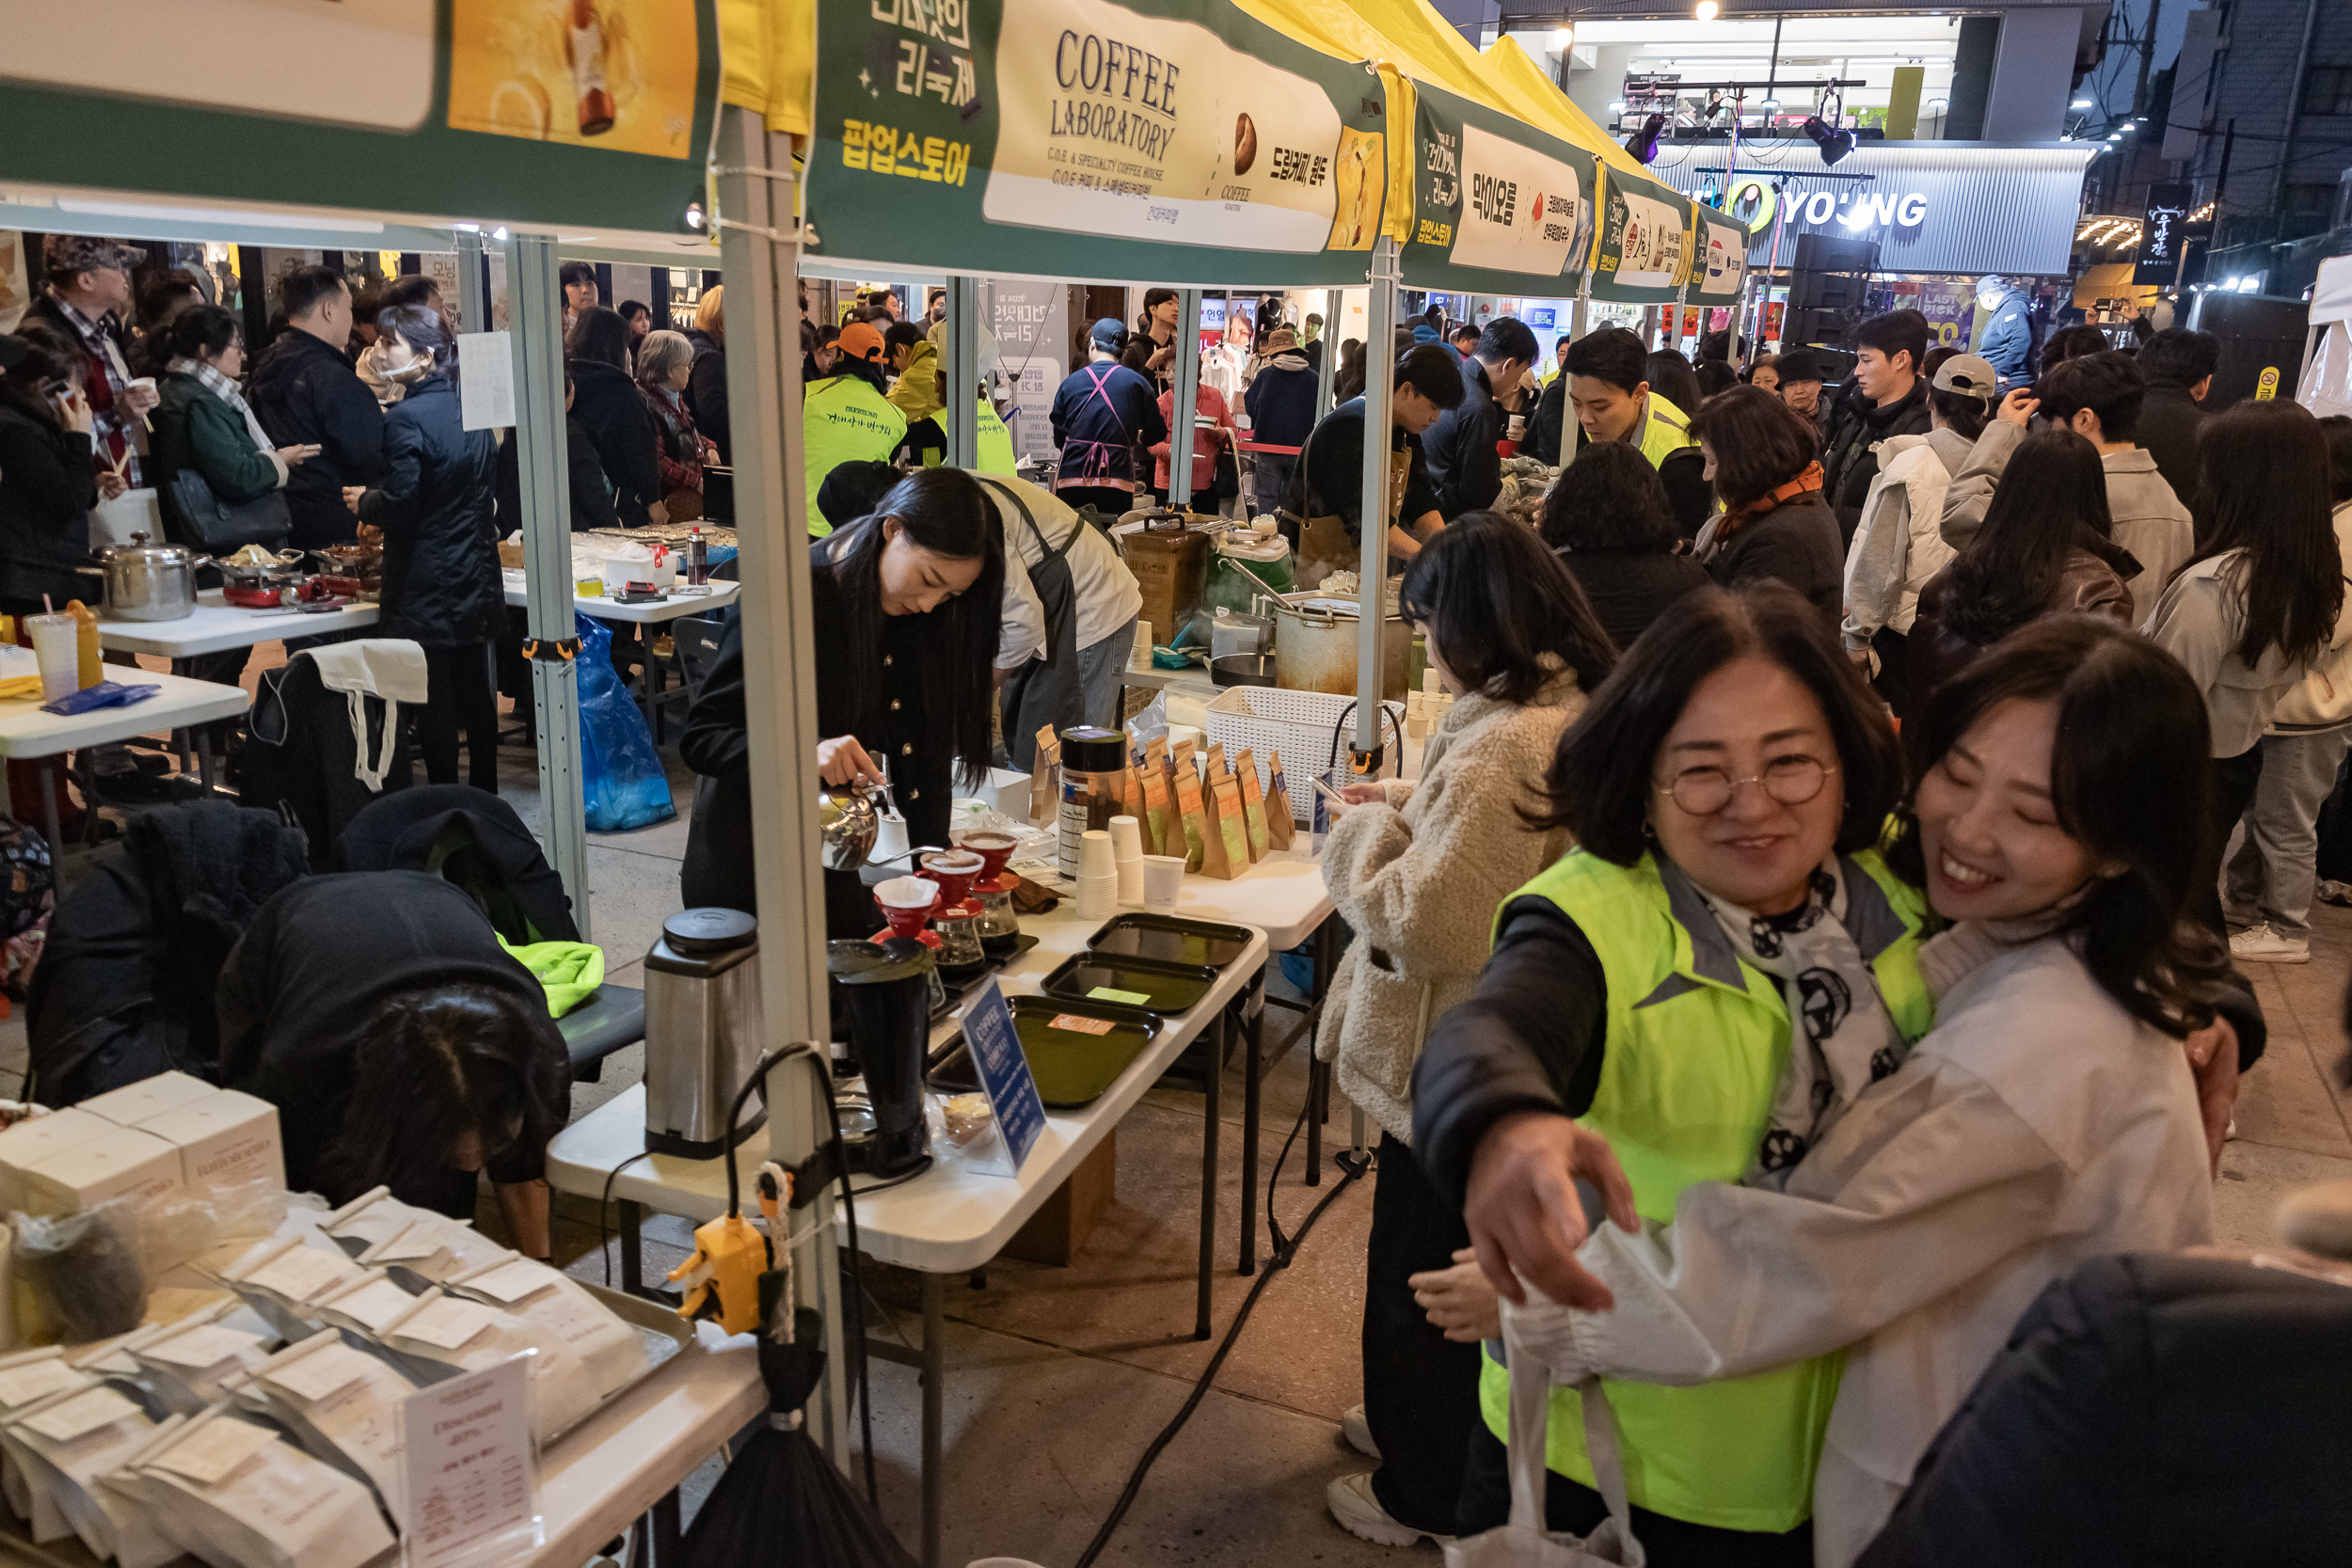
{"type": "Point", "coordinates": [596, 113]}
{"type": "Point", "coordinates": [1028, 327]}
{"type": "Point", "coordinates": [1930, 207]}
{"type": "Point", "coordinates": [2162, 234]}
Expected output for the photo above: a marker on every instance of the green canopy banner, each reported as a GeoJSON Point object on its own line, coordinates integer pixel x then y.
{"type": "Point", "coordinates": [1500, 206]}
{"type": "Point", "coordinates": [575, 113]}
{"type": "Point", "coordinates": [1642, 251]}
{"type": "Point", "coordinates": [1165, 141]}
{"type": "Point", "coordinates": [1719, 262]}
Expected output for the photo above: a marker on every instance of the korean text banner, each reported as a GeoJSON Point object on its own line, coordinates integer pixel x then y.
{"type": "Point", "coordinates": [570, 113]}
{"type": "Point", "coordinates": [1176, 141]}
{"type": "Point", "coordinates": [1499, 207]}
{"type": "Point", "coordinates": [1720, 257]}
{"type": "Point", "coordinates": [1645, 240]}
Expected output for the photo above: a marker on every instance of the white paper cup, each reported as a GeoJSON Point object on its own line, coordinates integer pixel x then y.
{"type": "Point", "coordinates": [1096, 858]}
{"type": "Point", "coordinates": [1126, 839]}
{"type": "Point", "coordinates": [57, 645]}
{"type": "Point", "coordinates": [1184, 731]}
{"type": "Point", "coordinates": [1098, 897]}
{"type": "Point", "coordinates": [1130, 884]}
{"type": "Point", "coordinates": [1163, 881]}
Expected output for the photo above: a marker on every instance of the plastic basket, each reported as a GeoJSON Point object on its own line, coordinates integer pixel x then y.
{"type": "Point", "coordinates": [1298, 724]}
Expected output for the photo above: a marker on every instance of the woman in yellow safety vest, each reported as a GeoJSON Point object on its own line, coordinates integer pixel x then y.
{"type": "Point", "coordinates": [846, 417]}
{"type": "Point", "coordinates": [1726, 787]}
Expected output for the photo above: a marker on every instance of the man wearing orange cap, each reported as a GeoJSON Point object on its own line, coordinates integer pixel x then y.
{"type": "Point", "coordinates": [846, 418]}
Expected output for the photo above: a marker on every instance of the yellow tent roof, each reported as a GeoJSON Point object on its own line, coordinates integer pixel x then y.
{"type": "Point", "coordinates": [768, 60]}
{"type": "Point", "coordinates": [1543, 104]}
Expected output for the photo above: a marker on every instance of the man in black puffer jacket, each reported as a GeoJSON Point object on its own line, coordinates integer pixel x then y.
{"type": "Point", "coordinates": [305, 392]}
{"type": "Point", "coordinates": [1464, 466]}
{"type": "Point", "coordinates": [1889, 398]}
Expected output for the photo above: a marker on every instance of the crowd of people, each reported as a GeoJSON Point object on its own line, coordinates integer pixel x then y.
{"type": "Point", "coordinates": [1886, 736]}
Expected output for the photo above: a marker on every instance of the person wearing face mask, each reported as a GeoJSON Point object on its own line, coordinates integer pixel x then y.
{"type": "Point", "coordinates": [907, 604]}
{"type": "Point", "coordinates": [372, 365]}
{"type": "Point", "coordinates": [434, 511]}
{"type": "Point", "coordinates": [1610, 394]}
{"type": "Point", "coordinates": [2048, 1118]}
{"type": "Point", "coordinates": [1417, 869]}
{"type": "Point", "coordinates": [1323, 513]}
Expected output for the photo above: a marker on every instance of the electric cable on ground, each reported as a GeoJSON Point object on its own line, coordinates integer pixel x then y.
{"type": "Point", "coordinates": [1283, 1251]}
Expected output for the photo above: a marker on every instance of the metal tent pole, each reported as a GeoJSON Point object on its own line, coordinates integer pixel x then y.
{"type": "Point", "coordinates": [1185, 403]}
{"type": "Point", "coordinates": [1373, 563]}
{"type": "Point", "coordinates": [535, 310]}
{"type": "Point", "coordinates": [1327, 362]}
{"type": "Point", "coordinates": [964, 371]}
{"type": "Point", "coordinates": [759, 249]}
{"type": "Point", "coordinates": [473, 283]}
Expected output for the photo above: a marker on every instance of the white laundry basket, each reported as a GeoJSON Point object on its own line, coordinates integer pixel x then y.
{"type": "Point", "coordinates": [1298, 724]}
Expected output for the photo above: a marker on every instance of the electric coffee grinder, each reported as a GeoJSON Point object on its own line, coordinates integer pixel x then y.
{"type": "Point", "coordinates": [702, 1032]}
{"type": "Point", "coordinates": [885, 997]}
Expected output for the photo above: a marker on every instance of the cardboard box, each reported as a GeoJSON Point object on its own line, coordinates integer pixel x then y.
{"type": "Point", "coordinates": [225, 1140]}
{"type": "Point", "coordinates": [28, 1143]}
{"type": "Point", "coordinates": [149, 1096]}
{"type": "Point", "coordinates": [121, 1163]}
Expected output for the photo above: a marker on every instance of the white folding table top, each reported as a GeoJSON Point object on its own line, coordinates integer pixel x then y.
{"type": "Point", "coordinates": [26, 732]}
{"type": "Point", "coordinates": [671, 608]}
{"type": "Point", "coordinates": [217, 626]}
{"type": "Point", "coordinates": [957, 1215]}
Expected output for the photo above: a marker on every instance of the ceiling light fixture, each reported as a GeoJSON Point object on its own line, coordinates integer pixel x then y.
{"type": "Point", "coordinates": [1708, 11]}
{"type": "Point", "coordinates": [1834, 142]}
{"type": "Point", "coordinates": [1642, 143]}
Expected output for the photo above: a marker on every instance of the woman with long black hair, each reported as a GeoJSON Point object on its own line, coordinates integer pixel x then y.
{"type": "Point", "coordinates": [2257, 603]}
{"type": "Point", "coordinates": [434, 511]}
{"type": "Point", "coordinates": [607, 405]}
{"type": "Point", "coordinates": [907, 604]}
{"type": "Point", "coordinates": [2045, 549]}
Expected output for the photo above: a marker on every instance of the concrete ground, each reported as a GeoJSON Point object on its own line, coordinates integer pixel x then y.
{"type": "Point", "coordinates": [1057, 1378]}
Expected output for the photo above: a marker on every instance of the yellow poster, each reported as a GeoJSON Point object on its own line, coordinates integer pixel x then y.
{"type": "Point", "coordinates": [609, 73]}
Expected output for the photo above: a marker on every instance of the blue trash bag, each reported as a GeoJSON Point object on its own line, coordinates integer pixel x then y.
{"type": "Point", "coordinates": [621, 773]}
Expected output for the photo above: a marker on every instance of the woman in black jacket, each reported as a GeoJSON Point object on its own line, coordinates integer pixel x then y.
{"type": "Point", "coordinates": [611, 409]}
{"type": "Point", "coordinates": [906, 608]}
{"type": "Point", "coordinates": [707, 387]}
{"type": "Point", "coordinates": [47, 482]}
{"type": "Point", "coordinates": [442, 584]}
{"type": "Point", "coordinates": [1609, 519]}
{"type": "Point", "coordinates": [1764, 462]}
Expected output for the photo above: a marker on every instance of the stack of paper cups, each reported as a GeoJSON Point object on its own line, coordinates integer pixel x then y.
{"type": "Point", "coordinates": [1098, 876]}
{"type": "Point", "coordinates": [1140, 656]}
{"type": "Point", "coordinates": [1127, 855]}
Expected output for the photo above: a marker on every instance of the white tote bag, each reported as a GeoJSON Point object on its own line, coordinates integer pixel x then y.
{"type": "Point", "coordinates": [1524, 1543]}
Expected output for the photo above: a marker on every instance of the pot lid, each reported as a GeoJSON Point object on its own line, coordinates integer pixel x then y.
{"type": "Point", "coordinates": [138, 547]}
{"type": "Point", "coordinates": [709, 930]}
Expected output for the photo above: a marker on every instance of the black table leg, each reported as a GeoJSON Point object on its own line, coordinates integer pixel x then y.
{"type": "Point", "coordinates": [668, 1537]}
{"type": "Point", "coordinates": [1327, 959]}
{"type": "Point", "coordinates": [934, 1407]}
{"type": "Point", "coordinates": [1213, 1070]}
{"type": "Point", "coordinates": [632, 1247]}
{"type": "Point", "coordinates": [1254, 1033]}
{"type": "Point", "coordinates": [49, 807]}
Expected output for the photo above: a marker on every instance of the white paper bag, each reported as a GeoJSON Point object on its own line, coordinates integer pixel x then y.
{"type": "Point", "coordinates": [452, 1331]}
{"type": "Point", "coordinates": [62, 1445]}
{"type": "Point", "coordinates": [1524, 1543]}
{"type": "Point", "coordinates": [113, 523]}
{"type": "Point", "coordinates": [562, 1306]}
{"type": "Point", "coordinates": [341, 1404]}
{"type": "Point", "coordinates": [231, 1492]}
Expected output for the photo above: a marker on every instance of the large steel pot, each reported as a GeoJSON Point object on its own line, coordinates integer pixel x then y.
{"type": "Point", "coordinates": [147, 582]}
{"type": "Point", "coordinates": [1314, 646]}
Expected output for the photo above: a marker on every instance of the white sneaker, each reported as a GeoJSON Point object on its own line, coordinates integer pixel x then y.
{"type": "Point", "coordinates": [1360, 1515]}
{"type": "Point", "coordinates": [2262, 946]}
{"type": "Point", "coordinates": [1357, 1430]}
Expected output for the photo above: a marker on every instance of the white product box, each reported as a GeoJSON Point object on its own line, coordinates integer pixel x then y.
{"type": "Point", "coordinates": [134, 1103]}
{"type": "Point", "coordinates": [122, 1163]}
{"type": "Point", "coordinates": [225, 1140]}
{"type": "Point", "coordinates": [28, 1143]}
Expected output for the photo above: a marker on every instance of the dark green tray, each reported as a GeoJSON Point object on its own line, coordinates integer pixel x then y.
{"type": "Point", "coordinates": [1071, 1067]}
{"type": "Point", "coordinates": [1171, 939]}
{"type": "Point", "coordinates": [1165, 988]}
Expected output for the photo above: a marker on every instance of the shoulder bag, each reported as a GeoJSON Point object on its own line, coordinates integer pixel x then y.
{"type": "Point", "coordinates": [201, 520]}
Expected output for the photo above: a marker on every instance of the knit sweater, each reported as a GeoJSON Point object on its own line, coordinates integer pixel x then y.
{"type": "Point", "coordinates": [1419, 877]}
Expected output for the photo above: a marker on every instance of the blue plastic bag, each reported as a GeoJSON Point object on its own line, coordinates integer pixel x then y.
{"type": "Point", "coordinates": [621, 773]}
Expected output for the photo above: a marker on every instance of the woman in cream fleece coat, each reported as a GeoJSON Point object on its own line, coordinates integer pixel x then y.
{"type": "Point", "coordinates": [1418, 870]}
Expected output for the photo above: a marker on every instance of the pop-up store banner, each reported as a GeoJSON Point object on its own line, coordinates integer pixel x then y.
{"type": "Point", "coordinates": [578, 114]}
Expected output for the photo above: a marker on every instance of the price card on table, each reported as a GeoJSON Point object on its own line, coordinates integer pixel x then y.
{"type": "Point", "coordinates": [470, 1490]}
{"type": "Point", "coordinates": [995, 1047]}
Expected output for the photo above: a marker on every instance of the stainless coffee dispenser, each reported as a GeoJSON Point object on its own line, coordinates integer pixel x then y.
{"type": "Point", "coordinates": [702, 1032]}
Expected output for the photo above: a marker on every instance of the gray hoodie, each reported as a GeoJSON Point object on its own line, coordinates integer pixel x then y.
{"type": "Point", "coordinates": [2149, 521]}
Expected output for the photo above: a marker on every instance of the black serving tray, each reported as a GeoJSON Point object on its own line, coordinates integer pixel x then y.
{"type": "Point", "coordinates": [1071, 1067]}
{"type": "Point", "coordinates": [1165, 988]}
{"type": "Point", "coordinates": [1171, 939]}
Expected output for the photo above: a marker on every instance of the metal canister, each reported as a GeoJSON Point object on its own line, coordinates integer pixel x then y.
{"type": "Point", "coordinates": [1093, 769]}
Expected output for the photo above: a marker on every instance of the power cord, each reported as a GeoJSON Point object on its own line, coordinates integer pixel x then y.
{"type": "Point", "coordinates": [1284, 1250]}
{"type": "Point", "coordinates": [604, 1208]}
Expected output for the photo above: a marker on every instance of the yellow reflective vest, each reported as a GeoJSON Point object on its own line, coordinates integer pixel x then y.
{"type": "Point", "coordinates": [844, 419]}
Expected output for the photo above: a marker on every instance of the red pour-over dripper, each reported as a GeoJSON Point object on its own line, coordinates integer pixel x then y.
{"type": "Point", "coordinates": [902, 914]}
{"type": "Point", "coordinates": [955, 871]}
{"type": "Point", "coordinates": [996, 851]}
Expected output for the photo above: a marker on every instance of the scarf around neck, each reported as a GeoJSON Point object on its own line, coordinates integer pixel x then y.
{"type": "Point", "coordinates": [1841, 1038]}
{"type": "Point", "coordinates": [224, 390]}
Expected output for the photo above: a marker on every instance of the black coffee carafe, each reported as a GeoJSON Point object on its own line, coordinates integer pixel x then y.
{"type": "Point", "coordinates": [886, 1000]}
